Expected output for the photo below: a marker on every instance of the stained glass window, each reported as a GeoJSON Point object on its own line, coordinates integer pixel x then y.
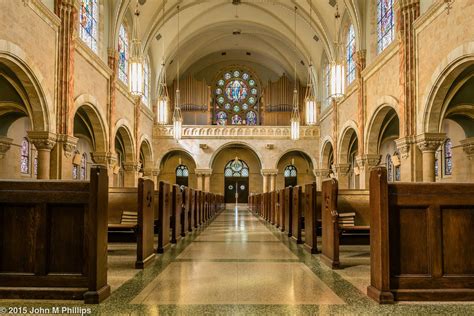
{"type": "Point", "coordinates": [88, 23]}
{"type": "Point", "coordinates": [182, 171]}
{"type": "Point", "coordinates": [236, 168]}
{"type": "Point", "coordinates": [397, 168]}
{"type": "Point", "coordinates": [25, 156]}
{"type": "Point", "coordinates": [436, 162]}
{"type": "Point", "coordinates": [84, 166]}
{"type": "Point", "coordinates": [389, 168]}
{"type": "Point", "coordinates": [448, 157]}
{"type": "Point", "coordinates": [290, 174]}
{"type": "Point", "coordinates": [35, 164]}
{"type": "Point", "coordinates": [146, 83]}
{"type": "Point", "coordinates": [123, 54]}
{"type": "Point", "coordinates": [350, 51]}
{"type": "Point", "coordinates": [290, 171]}
{"type": "Point", "coordinates": [236, 98]}
{"type": "Point", "coordinates": [385, 24]}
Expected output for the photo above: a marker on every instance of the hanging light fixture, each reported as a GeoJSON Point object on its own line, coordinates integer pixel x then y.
{"type": "Point", "coordinates": [177, 116]}
{"type": "Point", "coordinates": [337, 65]}
{"type": "Point", "coordinates": [136, 60]}
{"type": "Point", "coordinates": [310, 99]}
{"type": "Point", "coordinates": [295, 113]}
{"type": "Point", "coordinates": [163, 98]}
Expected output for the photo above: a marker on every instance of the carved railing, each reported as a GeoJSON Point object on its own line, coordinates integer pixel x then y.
{"type": "Point", "coordinates": [214, 131]}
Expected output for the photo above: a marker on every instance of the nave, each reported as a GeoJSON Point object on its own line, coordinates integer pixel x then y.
{"type": "Point", "coordinates": [239, 264]}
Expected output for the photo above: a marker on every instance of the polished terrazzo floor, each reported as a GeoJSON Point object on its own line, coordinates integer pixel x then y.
{"type": "Point", "coordinates": [240, 265]}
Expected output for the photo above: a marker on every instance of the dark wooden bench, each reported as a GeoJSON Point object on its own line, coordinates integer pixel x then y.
{"type": "Point", "coordinates": [333, 201]}
{"type": "Point", "coordinates": [128, 221]}
{"type": "Point", "coordinates": [312, 217]}
{"type": "Point", "coordinates": [53, 239]}
{"type": "Point", "coordinates": [164, 205]}
{"type": "Point", "coordinates": [421, 240]}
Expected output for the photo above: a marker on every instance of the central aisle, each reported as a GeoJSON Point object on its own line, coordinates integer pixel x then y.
{"type": "Point", "coordinates": [236, 260]}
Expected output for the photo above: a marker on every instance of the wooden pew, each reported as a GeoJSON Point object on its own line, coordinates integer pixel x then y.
{"type": "Point", "coordinates": [164, 212]}
{"type": "Point", "coordinates": [312, 213]}
{"type": "Point", "coordinates": [421, 240]}
{"type": "Point", "coordinates": [176, 210]}
{"type": "Point", "coordinates": [334, 201]}
{"type": "Point", "coordinates": [281, 209]}
{"type": "Point", "coordinates": [145, 233]}
{"type": "Point", "coordinates": [297, 214]}
{"type": "Point", "coordinates": [190, 196]}
{"type": "Point", "coordinates": [287, 210]}
{"type": "Point", "coordinates": [122, 200]}
{"type": "Point", "coordinates": [53, 239]}
{"type": "Point", "coordinates": [196, 209]}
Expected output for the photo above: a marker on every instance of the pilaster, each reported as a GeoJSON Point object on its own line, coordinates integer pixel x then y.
{"type": "Point", "coordinates": [360, 62]}
{"type": "Point", "coordinates": [365, 164]}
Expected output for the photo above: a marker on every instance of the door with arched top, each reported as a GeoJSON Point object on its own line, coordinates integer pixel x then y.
{"type": "Point", "coordinates": [236, 181]}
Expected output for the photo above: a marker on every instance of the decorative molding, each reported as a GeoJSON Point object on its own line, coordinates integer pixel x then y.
{"type": "Point", "coordinates": [203, 172]}
{"type": "Point", "coordinates": [368, 160]}
{"type": "Point", "coordinates": [342, 169]}
{"type": "Point", "coordinates": [203, 146]}
{"type": "Point", "coordinates": [5, 144]}
{"type": "Point", "coordinates": [92, 58]}
{"type": "Point", "coordinates": [269, 172]}
{"type": "Point", "coordinates": [403, 145]}
{"type": "Point", "coordinates": [42, 140]}
{"type": "Point", "coordinates": [429, 142]}
{"type": "Point", "coordinates": [214, 131]}
{"type": "Point", "coordinates": [270, 146]}
{"type": "Point", "coordinates": [69, 144]}
{"type": "Point", "coordinates": [104, 158]}
{"type": "Point", "coordinates": [468, 147]}
{"type": "Point", "coordinates": [44, 13]}
{"type": "Point", "coordinates": [426, 18]}
{"type": "Point", "coordinates": [132, 166]}
{"type": "Point", "coordinates": [381, 60]}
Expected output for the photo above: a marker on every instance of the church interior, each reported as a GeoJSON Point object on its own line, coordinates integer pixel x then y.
{"type": "Point", "coordinates": [236, 157]}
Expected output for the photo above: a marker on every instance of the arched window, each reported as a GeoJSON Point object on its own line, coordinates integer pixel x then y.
{"type": "Point", "coordinates": [448, 157]}
{"type": "Point", "coordinates": [290, 175]}
{"type": "Point", "coordinates": [146, 82]}
{"type": "Point", "coordinates": [236, 98]}
{"type": "Point", "coordinates": [25, 156]}
{"type": "Point", "coordinates": [389, 164]}
{"type": "Point", "coordinates": [236, 168]}
{"type": "Point", "coordinates": [182, 175]}
{"type": "Point", "coordinates": [88, 23]}
{"type": "Point", "coordinates": [84, 166]}
{"type": "Point", "coordinates": [123, 54]}
{"type": "Point", "coordinates": [385, 24]}
{"type": "Point", "coordinates": [350, 51]}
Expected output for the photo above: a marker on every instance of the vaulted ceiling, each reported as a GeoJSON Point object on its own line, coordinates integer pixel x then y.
{"type": "Point", "coordinates": [263, 28]}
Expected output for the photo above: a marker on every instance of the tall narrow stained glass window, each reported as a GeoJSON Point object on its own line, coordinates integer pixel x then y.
{"type": "Point", "coordinates": [350, 54]}
{"type": "Point", "coordinates": [146, 82]}
{"type": "Point", "coordinates": [84, 167]}
{"type": "Point", "coordinates": [88, 23]}
{"type": "Point", "coordinates": [25, 156]}
{"type": "Point", "coordinates": [385, 24]}
{"type": "Point", "coordinates": [436, 162]}
{"type": "Point", "coordinates": [389, 165]}
{"type": "Point", "coordinates": [236, 98]}
{"type": "Point", "coordinates": [290, 175]}
{"type": "Point", "coordinates": [123, 54]}
{"type": "Point", "coordinates": [448, 157]}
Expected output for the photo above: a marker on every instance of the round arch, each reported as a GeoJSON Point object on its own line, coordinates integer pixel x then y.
{"type": "Point", "coordinates": [349, 132]}
{"type": "Point", "coordinates": [327, 150]}
{"type": "Point", "coordinates": [443, 77]}
{"type": "Point", "coordinates": [146, 150]}
{"type": "Point", "coordinates": [124, 133]}
{"type": "Point", "coordinates": [311, 161]}
{"type": "Point", "coordinates": [89, 105]}
{"type": "Point", "coordinates": [160, 160]}
{"type": "Point", "coordinates": [235, 144]}
{"type": "Point", "coordinates": [375, 126]}
{"type": "Point", "coordinates": [29, 77]}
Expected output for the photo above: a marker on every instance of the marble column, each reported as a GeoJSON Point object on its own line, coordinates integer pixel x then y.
{"type": "Point", "coordinates": [5, 144]}
{"type": "Point", "coordinates": [365, 164]}
{"type": "Point", "coordinates": [265, 182]}
{"type": "Point", "coordinates": [131, 174]}
{"type": "Point", "coordinates": [342, 175]}
{"type": "Point", "coordinates": [44, 142]}
{"type": "Point", "coordinates": [428, 144]}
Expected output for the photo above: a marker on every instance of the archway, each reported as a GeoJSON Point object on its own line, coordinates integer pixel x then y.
{"type": "Point", "coordinates": [236, 181]}
{"type": "Point", "coordinates": [173, 166]}
{"type": "Point", "coordinates": [125, 154]}
{"type": "Point", "coordinates": [145, 157]}
{"type": "Point", "coordinates": [327, 156]}
{"type": "Point", "coordinates": [294, 168]}
{"type": "Point", "coordinates": [348, 151]}
{"type": "Point", "coordinates": [229, 153]}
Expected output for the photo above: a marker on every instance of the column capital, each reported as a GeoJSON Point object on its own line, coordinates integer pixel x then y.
{"type": "Point", "coordinates": [468, 147]}
{"type": "Point", "coordinates": [203, 172]}
{"type": "Point", "coordinates": [69, 143]}
{"type": "Point", "coordinates": [5, 144]}
{"type": "Point", "coordinates": [104, 158]}
{"type": "Point", "coordinates": [42, 140]}
{"type": "Point", "coordinates": [321, 172]}
{"type": "Point", "coordinates": [429, 142]}
{"type": "Point", "coordinates": [269, 172]}
{"type": "Point", "coordinates": [342, 168]}
{"type": "Point", "coordinates": [404, 144]}
{"type": "Point", "coordinates": [369, 160]}
{"type": "Point", "coordinates": [132, 166]}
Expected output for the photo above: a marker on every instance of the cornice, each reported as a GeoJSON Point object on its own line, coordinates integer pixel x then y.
{"type": "Point", "coordinates": [381, 60]}
{"type": "Point", "coordinates": [44, 13]}
{"type": "Point", "coordinates": [426, 18]}
{"type": "Point", "coordinates": [93, 59]}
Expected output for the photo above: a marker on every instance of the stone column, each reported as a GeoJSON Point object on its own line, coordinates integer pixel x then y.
{"type": "Point", "coordinates": [342, 174]}
{"type": "Point", "coordinates": [113, 64]}
{"type": "Point", "coordinates": [204, 179]}
{"type": "Point", "coordinates": [408, 159]}
{"type": "Point", "coordinates": [107, 159]}
{"type": "Point", "coordinates": [207, 182]}
{"type": "Point", "coordinates": [5, 144]}
{"type": "Point", "coordinates": [360, 62]}
{"type": "Point", "coordinates": [428, 144]}
{"type": "Point", "coordinates": [468, 148]}
{"type": "Point", "coordinates": [44, 142]}
{"type": "Point", "coordinates": [62, 155]}
{"type": "Point", "coordinates": [130, 174]}
{"type": "Point", "coordinates": [407, 12]}
{"type": "Point", "coordinates": [365, 164]}
{"type": "Point", "coordinates": [199, 177]}
{"type": "Point", "coordinates": [265, 182]}
{"type": "Point", "coordinates": [273, 181]}
{"type": "Point", "coordinates": [320, 174]}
